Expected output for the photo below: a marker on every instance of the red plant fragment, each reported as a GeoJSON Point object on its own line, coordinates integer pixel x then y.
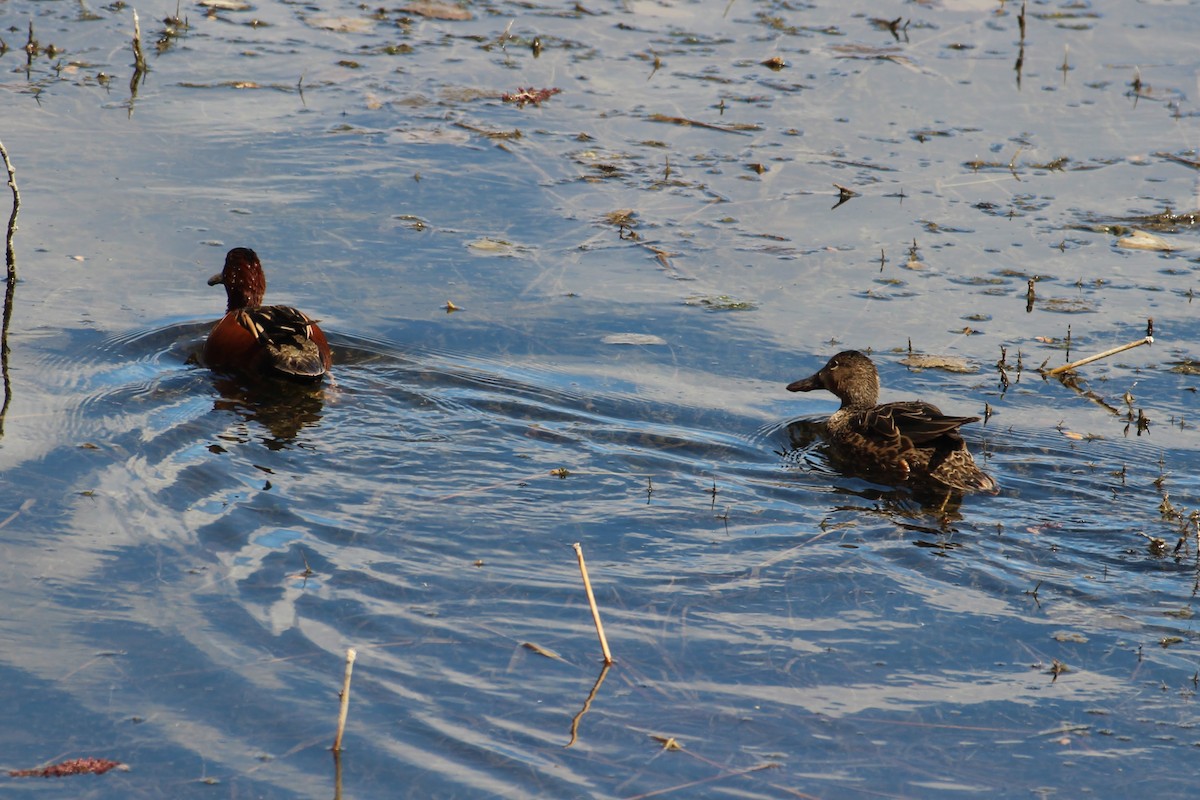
{"type": "Point", "coordinates": [74, 766]}
{"type": "Point", "coordinates": [530, 95]}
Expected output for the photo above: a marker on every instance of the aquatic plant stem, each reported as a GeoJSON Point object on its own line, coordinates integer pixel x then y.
{"type": "Point", "coordinates": [587, 585]}
{"type": "Point", "coordinates": [139, 58]}
{"type": "Point", "coordinates": [351, 654]}
{"type": "Point", "coordinates": [10, 252]}
{"type": "Point", "coordinates": [1098, 356]}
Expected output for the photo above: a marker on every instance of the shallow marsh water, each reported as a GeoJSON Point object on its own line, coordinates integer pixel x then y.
{"type": "Point", "coordinates": [635, 293]}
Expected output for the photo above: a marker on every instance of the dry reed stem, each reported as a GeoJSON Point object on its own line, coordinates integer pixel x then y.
{"type": "Point", "coordinates": [139, 59]}
{"type": "Point", "coordinates": [9, 252]}
{"type": "Point", "coordinates": [587, 585]}
{"type": "Point", "coordinates": [351, 654]}
{"type": "Point", "coordinates": [1098, 356]}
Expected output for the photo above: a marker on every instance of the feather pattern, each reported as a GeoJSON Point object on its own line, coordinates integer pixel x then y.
{"type": "Point", "coordinates": [905, 442]}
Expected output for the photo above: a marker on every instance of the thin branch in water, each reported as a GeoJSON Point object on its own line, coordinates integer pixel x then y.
{"type": "Point", "coordinates": [1068, 367]}
{"type": "Point", "coordinates": [11, 287]}
{"type": "Point", "coordinates": [139, 58]}
{"type": "Point", "coordinates": [9, 252]}
{"type": "Point", "coordinates": [587, 585]}
{"type": "Point", "coordinates": [139, 62]}
{"type": "Point", "coordinates": [344, 709]}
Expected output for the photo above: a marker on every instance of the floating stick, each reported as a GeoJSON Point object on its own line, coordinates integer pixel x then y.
{"type": "Point", "coordinates": [139, 59]}
{"type": "Point", "coordinates": [1148, 339]}
{"type": "Point", "coordinates": [10, 290]}
{"type": "Point", "coordinates": [345, 709]}
{"type": "Point", "coordinates": [587, 585]}
{"type": "Point", "coordinates": [10, 256]}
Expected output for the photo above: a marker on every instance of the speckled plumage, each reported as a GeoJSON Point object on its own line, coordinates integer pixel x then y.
{"type": "Point", "coordinates": [910, 442]}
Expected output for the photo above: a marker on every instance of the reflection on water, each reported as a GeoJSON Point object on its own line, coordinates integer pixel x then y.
{"type": "Point", "coordinates": [808, 448]}
{"type": "Point", "coordinates": [282, 407]}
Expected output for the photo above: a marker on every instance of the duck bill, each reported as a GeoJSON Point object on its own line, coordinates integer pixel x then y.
{"type": "Point", "coordinates": [215, 279]}
{"type": "Point", "coordinates": [808, 384]}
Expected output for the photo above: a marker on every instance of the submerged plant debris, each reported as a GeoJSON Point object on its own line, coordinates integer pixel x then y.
{"type": "Point", "coordinates": [533, 96]}
{"type": "Point", "coordinates": [957, 364]}
{"type": "Point", "coordinates": [74, 766]}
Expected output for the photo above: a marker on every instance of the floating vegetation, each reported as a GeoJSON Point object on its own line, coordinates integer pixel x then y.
{"type": "Point", "coordinates": [522, 97]}
{"type": "Point", "coordinates": [74, 766]}
{"type": "Point", "coordinates": [731, 128]}
{"type": "Point", "coordinates": [1185, 367]}
{"type": "Point", "coordinates": [234, 85]}
{"type": "Point", "coordinates": [920, 361]}
{"type": "Point", "coordinates": [1141, 240]}
{"type": "Point", "coordinates": [430, 9]}
{"type": "Point", "coordinates": [720, 302]}
{"type": "Point", "coordinates": [889, 53]}
{"type": "Point", "coordinates": [622, 218]}
{"type": "Point", "coordinates": [1068, 305]}
{"type": "Point", "coordinates": [495, 247]}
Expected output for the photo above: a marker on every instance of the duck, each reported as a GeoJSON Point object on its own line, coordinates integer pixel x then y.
{"type": "Point", "coordinates": [254, 339]}
{"type": "Point", "coordinates": [909, 443]}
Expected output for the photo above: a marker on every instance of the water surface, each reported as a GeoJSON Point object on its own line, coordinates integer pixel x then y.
{"type": "Point", "coordinates": [641, 262]}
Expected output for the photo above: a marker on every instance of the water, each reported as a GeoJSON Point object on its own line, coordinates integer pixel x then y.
{"type": "Point", "coordinates": [186, 560]}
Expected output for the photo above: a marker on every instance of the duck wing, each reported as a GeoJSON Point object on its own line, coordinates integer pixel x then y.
{"type": "Point", "coordinates": [915, 420]}
{"type": "Point", "coordinates": [289, 337]}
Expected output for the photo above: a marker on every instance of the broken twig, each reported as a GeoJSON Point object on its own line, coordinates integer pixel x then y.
{"type": "Point", "coordinates": [1148, 339]}
{"type": "Point", "coordinates": [351, 654]}
{"type": "Point", "coordinates": [587, 585]}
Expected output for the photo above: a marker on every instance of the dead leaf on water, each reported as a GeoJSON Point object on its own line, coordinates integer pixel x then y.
{"type": "Point", "coordinates": [720, 302]}
{"type": "Point", "coordinates": [494, 247]}
{"type": "Point", "coordinates": [434, 10]}
{"type": "Point", "coordinates": [1141, 240]}
{"type": "Point", "coordinates": [667, 742]}
{"type": "Point", "coordinates": [622, 216]}
{"type": "Point", "coordinates": [1186, 367]}
{"type": "Point", "coordinates": [233, 85]}
{"type": "Point", "coordinates": [541, 651]}
{"type": "Point", "coordinates": [947, 363]}
{"type": "Point", "coordinates": [1068, 305]}
{"type": "Point", "coordinates": [742, 127]}
{"type": "Point", "coordinates": [226, 5]}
